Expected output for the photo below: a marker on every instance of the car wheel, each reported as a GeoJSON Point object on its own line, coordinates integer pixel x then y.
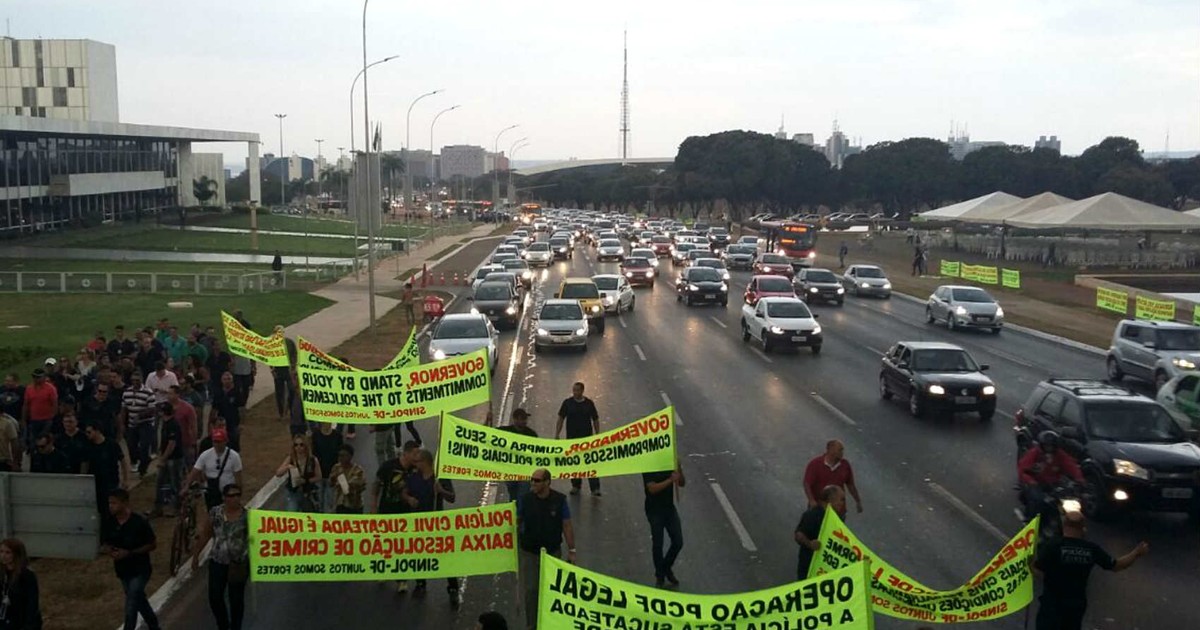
{"type": "Point", "coordinates": [537, 348]}
{"type": "Point", "coordinates": [584, 348]}
{"type": "Point", "coordinates": [1098, 508]}
{"type": "Point", "coordinates": [766, 344]}
{"type": "Point", "coordinates": [1114, 370]}
{"type": "Point", "coordinates": [929, 315]}
{"type": "Point", "coordinates": [915, 406]}
{"type": "Point", "coordinates": [687, 301]}
{"type": "Point", "coordinates": [1160, 379]}
{"type": "Point", "coordinates": [986, 415]}
{"type": "Point", "coordinates": [996, 331]}
{"type": "Point", "coordinates": [949, 321]}
{"type": "Point", "coordinates": [745, 332]}
{"type": "Point", "coordinates": [884, 392]}
{"type": "Point", "coordinates": [631, 304]}
{"type": "Point", "coordinates": [724, 302]}
{"type": "Point", "coordinates": [816, 350]}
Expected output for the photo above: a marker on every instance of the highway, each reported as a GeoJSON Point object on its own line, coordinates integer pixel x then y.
{"type": "Point", "coordinates": [938, 493]}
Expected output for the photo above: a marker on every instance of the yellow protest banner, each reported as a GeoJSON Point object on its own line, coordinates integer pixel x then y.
{"type": "Point", "coordinates": [573, 597]}
{"type": "Point", "coordinates": [1112, 300]}
{"type": "Point", "coordinates": [1002, 587]}
{"type": "Point", "coordinates": [472, 451]}
{"type": "Point", "coordinates": [987, 275]}
{"type": "Point", "coordinates": [246, 343]}
{"type": "Point", "coordinates": [410, 353]}
{"type": "Point", "coordinates": [1155, 310]}
{"type": "Point", "coordinates": [1010, 278]}
{"type": "Point", "coordinates": [309, 355]}
{"type": "Point", "coordinates": [296, 547]}
{"type": "Point", "coordinates": [950, 268]}
{"type": "Point", "coordinates": [387, 396]}
{"type": "Point", "coordinates": [1196, 315]}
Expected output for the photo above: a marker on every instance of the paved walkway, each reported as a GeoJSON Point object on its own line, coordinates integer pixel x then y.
{"type": "Point", "coordinates": [226, 230]}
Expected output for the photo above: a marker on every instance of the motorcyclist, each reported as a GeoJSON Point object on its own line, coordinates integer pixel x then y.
{"type": "Point", "coordinates": [1042, 469]}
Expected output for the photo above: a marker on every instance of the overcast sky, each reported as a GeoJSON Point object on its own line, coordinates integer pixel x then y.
{"type": "Point", "coordinates": [1011, 71]}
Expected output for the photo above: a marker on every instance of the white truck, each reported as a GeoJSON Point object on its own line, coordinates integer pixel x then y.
{"type": "Point", "coordinates": [781, 322]}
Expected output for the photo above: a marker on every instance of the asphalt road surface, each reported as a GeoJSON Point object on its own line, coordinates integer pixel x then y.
{"type": "Point", "coordinates": [938, 493]}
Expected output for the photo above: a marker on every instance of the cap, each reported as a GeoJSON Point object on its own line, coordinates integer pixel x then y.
{"type": "Point", "coordinates": [520, 412]}
{"type": "Point", "coordinates": [38, 373]}
{"type": "Point", "coordinates": [220, 434]}
{"type": "Point", "coordinates": [51, 361]}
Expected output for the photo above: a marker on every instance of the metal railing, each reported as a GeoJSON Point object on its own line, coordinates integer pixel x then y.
{"type": "Point", "coordinates": [206, 283]}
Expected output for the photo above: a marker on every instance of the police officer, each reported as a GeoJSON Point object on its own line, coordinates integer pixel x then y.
{"type": "Point", "coordinates": [543, 522]}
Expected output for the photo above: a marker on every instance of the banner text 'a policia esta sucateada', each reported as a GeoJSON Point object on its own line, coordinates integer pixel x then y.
{"type": "Point", "coordinates": [472, 451]}
{"type": "Point", "coordinates": [246, 343]}
{"type": "Point", "coordinates": [1002, 587]}
{"type": "Point", "coordinates": [571, 597]}
{"type": "Point", "coordinates": [312, 357]}
{"type": "Point", "coordinates": [295, 547]}
{"type": "Point", "coordinates": [387, 396]}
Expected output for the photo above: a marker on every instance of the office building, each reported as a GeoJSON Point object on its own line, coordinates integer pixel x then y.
{"type": "Point", "coordinates": [961, 144]}
{"type": "Point", "coordinates": [67, 79]}
{"type": "Point", "coordinates": [421, 164]}
{"type": "Point", "coordinates": [838, 147]}
{"type": "Point", "coordinates": [804, 138]}
{"type": "Point", "coordinates": [495, 161]}
{"type": "Point", "coordinates": [1052, 143]}
{"type": "Point", "coordinates": [463, 160]}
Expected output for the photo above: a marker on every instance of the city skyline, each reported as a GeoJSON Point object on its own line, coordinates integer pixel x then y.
{"type": "Point", "coordinates": [887, 70]}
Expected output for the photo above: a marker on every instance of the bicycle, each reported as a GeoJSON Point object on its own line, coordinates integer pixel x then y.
{"type": "Point", "coordinates": [185, 528]}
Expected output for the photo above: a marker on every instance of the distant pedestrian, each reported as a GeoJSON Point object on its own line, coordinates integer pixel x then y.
{"type": "Point", "coordinates": [543, 522]}
{"type": "Point", "coordinates": [227, 403]}
{"type": "Point", "coordinates": [424, 492]}
{"type": "Point", "coordinates": [830, 469]}
{"type": "Point", "coordinates": [843, 250]}
{"type": "Point", "coordinates": [579, 414]}
{"type": "Point", "coordinates": [39, 405]}
{"type": "Point", "coordinates": [809, 529]}
{"type": "Point", "coordinates": [407, 297]}
{"type": "Point", "coordinates": [137, 416]}
{"type": "Point", "coordinates": [281, 375]}
{"type": "Point", "coordinates": [22, 608]}
{"type": "Point", "coordinates": [72, 443]}
{"type": "Point", "coordinates": [491, 620]}
{"type": "Point", "coordinates": [924, 259]}
{"type": "Point", "coordinates": [10, 443]}
{"type": "Point", "coordinates": [229, 560]}
{"type": "Point", "coordinates": [243, 371]}
{"type": "Point", "coordinates": [916, 261]}
{"type": "Point", "coordinates": [277, 267]}
{"type": "Point", "coordinates": [129, 539]}
{"type": "Point", "coordinates": [520, 426]}
{"type": "Point", "coordinates": [663, 517]}
{"type": "Point", "coordinates": [170, 461]}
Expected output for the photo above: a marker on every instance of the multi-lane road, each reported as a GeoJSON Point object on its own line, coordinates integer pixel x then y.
{"type": "Point", "coordinates": [938, 493]}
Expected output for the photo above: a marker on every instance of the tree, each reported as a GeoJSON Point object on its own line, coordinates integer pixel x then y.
{"type": "Point", "coordinates": [1139, 183]}
{"type": "Point", "coordinates": [1098, 160]}
{"type": "Point", "coordinates": [204, 189]}
{"type": "Point", "coordinates": [1184, 177]}
{"type": "Point", "coordinates": [903, 176]}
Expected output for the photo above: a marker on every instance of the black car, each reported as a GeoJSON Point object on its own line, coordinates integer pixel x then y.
{"type": "Point", "coordinates": [638, 272]}
{"type": "Point", "coordinates": [718, 238]}
{"type": "Point", "coordinates": [521, 268]}
{"type": "Point", "coordinates": [819, 285]}
{"type": "Point", "coordinates": [560, 249]}
{"type": "Point", "coordinates": [938, 377]}
{"type": "Point", "coordinates": [740, 256]}
{"type": "Point", "coordinates": [699, 285]}
{"type": "Point", "coordinates": [1134, 455]}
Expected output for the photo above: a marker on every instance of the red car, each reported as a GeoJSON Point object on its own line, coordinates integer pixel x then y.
{"type": "Point", "coordinates": [768, 286]}
{"type": "Point", "coordinates": [662, 245]}
{"type": "Point", "coordinates": [774, 265]}
{"type": "Point", "coordinates": [639, 272]}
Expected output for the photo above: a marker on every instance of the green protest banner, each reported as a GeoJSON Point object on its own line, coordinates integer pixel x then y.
{"type": "Point", "coordinates": [1010, 278]}
{"type": "Point", "coordinates": [472, 451]}
{"type": "Point", "coordinates": [246, 343]}
{"type": "Point", "coordinates": [410, 353]}
{"type": "Point", "coordinates": [573, 597]}
{"type": "Point", "coordinates": [388, 396]}
{"type": "Point", "coordinates": [1155, 310]}
{"type": "Point", "coordinates": [1002, 587]}
{"type": "Point", "coordinates": [309, 355]}
{"type": "Point", "coordinates": [295, 547]}
{"type": "Point", "coordinates": [1112, 300]}
{"type": "Point", "coordinates": [987, 275]}
{"type": "Point", "coordinates": [950, 268]}
{"type": "Point", "coordinates": [1196, 315]}
{"type": "Point", "coordinates": [966, 272]}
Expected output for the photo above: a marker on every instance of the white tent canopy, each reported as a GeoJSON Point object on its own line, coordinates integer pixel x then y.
{"type": "Point", "coordinates": [1107, 211]}
{"type": "Point", "coordinates": [1195, 213]}
{"type": "Point", "coordinates": [991, 200]}
{"type": "Point", "coordinates": [999, 214]}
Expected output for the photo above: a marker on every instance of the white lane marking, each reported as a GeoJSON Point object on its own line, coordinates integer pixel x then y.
{"type": "Point", "coordinates": [742, 533]}
{"type": "Point", "coordinates": [1006, 415]}
{"type": "Point", "coordinates": [875, 350]}
{"type": "Point", "coordinates": [718, 322]}
{"type": "Point", "coordinates": [761, 355]}
{"type": "Point", "coordinates": [837, 413]}
{"type": "Point", "coordinates": [667, 402]}
{"type": "Point", "coordinates": [968, 512]}
{"type": "Point", "coordinates": [622, 321]}
{"type": "Point", "coordinates": [638, 350]}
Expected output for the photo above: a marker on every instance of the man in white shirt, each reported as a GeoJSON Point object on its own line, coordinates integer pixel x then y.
{"type": "Point", "coordinates": [219, 466]}
{"type": "Point", "coordinates": [160, 382]}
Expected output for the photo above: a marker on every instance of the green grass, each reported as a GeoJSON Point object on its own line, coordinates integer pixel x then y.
{"type": "Point", "coordinates": [102, 266]}
{"type": "Point", "coordinates": [285, 223]}
{"type": "Point", "coordinates": [154, 238]}
{"type": "Point", "coordinates": [59, 325]}
{"type": "Point", "coordinates": [444, 252]}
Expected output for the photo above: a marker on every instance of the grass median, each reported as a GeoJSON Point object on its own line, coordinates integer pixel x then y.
{"type": "Point", "coordinates": [156, 238]}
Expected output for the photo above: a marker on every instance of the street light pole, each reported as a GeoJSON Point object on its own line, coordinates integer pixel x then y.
{"type": "Point", "coordinates": [372, 207]}
{"type": "Point", "coordinates": [353, 152]}
{"type": "Point", "coordinates": [512, 152]}
{"type": "Point", "coordinates": [407, 151]}
{"type": "Point", "coordinates": [496, 167]}
{"type": "Point", "coordinates": [435, 119]}
{"type": "Point", "coordinates": [283, 177]}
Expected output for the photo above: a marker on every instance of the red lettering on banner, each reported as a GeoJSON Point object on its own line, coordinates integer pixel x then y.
{"type": "Point", "coordinates": [445, 372]}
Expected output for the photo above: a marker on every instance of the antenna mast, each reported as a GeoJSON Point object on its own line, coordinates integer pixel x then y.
{"type": "Point", "coordinates": [625, 98]}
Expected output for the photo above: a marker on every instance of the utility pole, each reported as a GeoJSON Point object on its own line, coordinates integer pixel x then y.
{"type": "Point", "coordinates": [496, 168]}
{"type": "Point", "coordinates": [318, 170]}
{"type": "Point", "coordinates": [284, 175]}
{"type": "Point", "coordinates": [625, 98]}
{"type": "Point", "coordinates": [372, 207]}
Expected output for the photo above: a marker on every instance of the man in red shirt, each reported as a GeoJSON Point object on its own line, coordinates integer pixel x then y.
{"type": "Point", "coordinates": [185, 414]}
{"type": "Point", "coordinates": [1042, 469]}
{"type": "Point", "coordinates": [41, 404]}
{"type": "Point", "coordinates": [830, 469]}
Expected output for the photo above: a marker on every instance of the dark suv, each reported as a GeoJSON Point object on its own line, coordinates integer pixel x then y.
{"type": "Point", "coordinates": [1133, 454]}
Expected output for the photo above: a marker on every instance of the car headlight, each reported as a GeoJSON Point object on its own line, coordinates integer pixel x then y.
{"type": "Point", "coordinates": [959, 310]}
{"type": "Point", "coordinates": [439, 354]}
{"type": "Point", "coordinates": [776, 330]}
{"type": "Point", "coordinates": [607, 300]}
{"type": "Point", "coordinates": [813, 290]}
{"type": "Point", "coordinates": [724, 287]}
{"type": "Point", "coordinates": [474, 311]}
{"type": "Point", "coordinates": [562, 250]}
{"type": "Point", "coordinates": [1183, 364]}
{"type": "Point", "coordinates": [543, 332]}
{"type": "Point", "coordinates": [628, 274]}
{"type": "Point", "coordinates": [581, 331]}
{"type": "Point", "coordinates": [595, 309]}
{"type": "Point", "coordinates": [841, 290]}
{"type": "Point", "coordinates": [649, 274]}
{"type": "Point", "coordinates": [816, 329]}
{"type": "Point", "coordinates": [511, 310]}
{"type": "Point", "coordinates": [725, 275]}
{"type": "Point", "coordinates": [526, 274]}
{"type": "Point", "coordinates": [1127, 468]}
{"type": "Point", "coordinates": [864, 285]}
{"type": "Point", "coordinates": [999, 312]}
{"type": "Point", "coordinates": [989, 390]}
{"type": "Point", "coordinates": [692, 287]}
{"type": "Point", "coordinates": [937, 390]}
{"type": "Point", "coordinates": [887, 285]}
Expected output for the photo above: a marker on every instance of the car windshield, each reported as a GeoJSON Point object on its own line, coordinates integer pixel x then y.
{"type": "Point", "coordinates": [461, 329]}
{"type": "Point", "coordinates": [869, 272]}
{"type": "Point", "coordinates": [704, 274]}
{"type": "Point", "coordinates": [561, 311]}
{"type": "Point", "coordinates": [539, 247]}
{"type": "Point", "coordinates": [515, 264]}
{"type": "Point", "coordinates": [943, 360]}
{"type": "Point", "coordinates": [741, 249]}
{"type": "Point", "coordinates": [775, 285]}
{"type": "Point", "coordinates": [978, 296]}
{"type": "Point", "coordinates": [820, 276]}
{"type": "Point", "coordinates": [1138, 422]}
{"type": "Point", "coordinates": [636, 262]}
{"type": "Point", "coordinates": [718, 231]}
{"type": "Point", "coordinates": [788, 309]}
{"type": "Point", "coordinates": [685, 247]}
{"type": "Point", "coordinates": [580, 290]}
{"type": "Point", "coordinates": [559, 242]}
{"type": "Point", "coordinates": [490, 291]}
{"type": "Point", "coordinates": [610, 242]}
{"type": "Point", "coordinates": [605, 283]}
{"type": "Point", "coordinates": [1179, 339]}
{"type": "Point", "coordinates": [774, 259]}
{"type": "Point", "coordinates": [661, 239]}
{"type": "Point", "coordinates": [710, 262]}
{"type": "Point", "coordinates": [499, 276]}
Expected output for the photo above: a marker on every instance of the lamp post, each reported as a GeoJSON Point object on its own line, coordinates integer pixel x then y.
{"type": "Point", "coordinates": [435, 119]}
{"type": "Point", "coordinates": [407, 148]}
{"type": "Point", "coordinates": [352, 150]}
{"type": "Point", "coordinates": [496, 167]}
{"type": "Point", "coordinates": [283, 177]}
{"type": "Point", "coordinates": [372, 207]}
{"type": "Point", "coordinates": [512, 151]}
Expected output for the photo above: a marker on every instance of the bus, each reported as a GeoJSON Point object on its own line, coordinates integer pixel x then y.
{"type": "Point", "coordinates": [530, 212]}
{"type": "Point", "coordinates": [797, 241]}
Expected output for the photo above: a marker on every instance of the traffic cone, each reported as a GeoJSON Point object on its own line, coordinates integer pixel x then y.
{"type": "Point", "coordinates": [455, 278]}
{"type": "Point", "coordinates": [442, 279]}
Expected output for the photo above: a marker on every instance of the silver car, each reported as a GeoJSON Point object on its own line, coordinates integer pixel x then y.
{"type": "Point", "coordinates": [462, 333]}
{"type": "Point", "coordinates": [539, 254]}
{"type": "Point", "coordinates": [482, 272]}
{"type": "Point", "coordinates": [610, 249]}
{"type": "Point", "coordinates": [866, 280]}
{"type": "Point", "coordinates": [615, 293]}
{"type": "Point", "coordinates": [1153, 351]}
{"type": "Point", "coordinates": [560, 323]}
{"type": "Point", "coordinates": [964, 307]}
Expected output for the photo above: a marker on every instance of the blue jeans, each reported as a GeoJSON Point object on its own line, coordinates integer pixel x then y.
{"type": "Point", "coordinates": [137, 603]}
{"type": "Point", "coordinates": [661, 522]}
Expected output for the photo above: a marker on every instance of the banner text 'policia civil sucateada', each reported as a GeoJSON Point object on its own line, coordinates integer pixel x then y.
{"type": "Point", "coordinates": [1002, 587]}
{"type": "Point", "coordinates": [296, 547]}
{"type": "Point", "coordinates": [310, 356]}
{"type": "Point", "coordinates": [246, 343]}
{"type": "Point", "coordinates": [471, 451]}
{"type": "Point", "coordinates": [571, 597]}
{"type": "Point", "coordinates": [387, 396]}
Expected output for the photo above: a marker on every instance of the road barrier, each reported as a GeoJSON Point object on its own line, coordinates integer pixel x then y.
{"type": "Point", "coordinates": [1154, 310]}
{"type": "Point", "coordinates": [1112, 300]}
{"type": "Point", "coordinates": [208, 283]}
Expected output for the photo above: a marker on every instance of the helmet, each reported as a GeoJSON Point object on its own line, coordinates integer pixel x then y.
{"type": "Point", "coordinates": [1048, 441]}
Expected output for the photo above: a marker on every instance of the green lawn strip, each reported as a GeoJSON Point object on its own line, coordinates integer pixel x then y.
{"type": "Point", "coordinates": [166, 239]}
{"type": "Point", "coordinates": [59, 325]}
{"type": "Point", "coordinates": [109, 266]}
{"type": "Point", "coordinates": [284, 223]}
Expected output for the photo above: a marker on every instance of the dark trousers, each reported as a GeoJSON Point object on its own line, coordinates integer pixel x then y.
{"type": "Point", "coordinates": [1034, 500]}
{"type": "Point", "coordinates": [228, 618]}
{"type": "Point", "coordinates": [242, 384]}
{"type": "Point", "coordinates": [283, 393]}
{"type": "Point", "coordinates": [136, 602]}
{"type": "Point", "coordinates": [668, 523]}
{"type": "Point", "coordinates": [593, 484]}
{"type": "Point", "coordinates": [341, 509]}
{"type": "Point", "coordinates": [139, 439]}
{"type": "Point", "coordinates": [411, 431]}
{"type": "Point", "coordinates": [1054, 615]}
{"type": "Point", "coordinates": [32, 430]}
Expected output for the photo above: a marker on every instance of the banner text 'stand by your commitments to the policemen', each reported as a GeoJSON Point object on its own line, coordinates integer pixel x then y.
{"type": "Point", "coordinates": [310, 356]}
{"type": "Point", "coordinates": [1004, 585]}
{"type": "Point", "coordinates": [468, 450]}
{"type": "Point", "coordinates": [572, 597]}
{"type": "Point", "coordinates": [388, 396]}
{"type": "Point", "coordinates": [295, 547]}
{"type": "Point", "coordinates": [246, 343]}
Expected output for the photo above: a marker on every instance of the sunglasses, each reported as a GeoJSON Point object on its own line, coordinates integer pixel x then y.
{"type": "Point", "coordinates": [539, 479]}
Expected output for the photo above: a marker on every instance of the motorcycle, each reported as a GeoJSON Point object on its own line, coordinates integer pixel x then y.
{"type": "Point", "coordinates": [1056, 502]}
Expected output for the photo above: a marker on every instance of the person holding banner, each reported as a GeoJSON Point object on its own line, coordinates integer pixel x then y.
{"type": "Point", "coordinates": [424, 492]}
{"type": "Point", "coordinates": [543, 522]}
{"type": "Point", "coordinates": [808, 531]}
{"type": "Point", "coordinates": [520, 426]}
{"type": "Point", "coordinates": [830, 469]}
{"type": "Point", "coordinates": [348, 481]}
{"type": "Point", "coordinates": [303, 473]}
{"type": "Point", "coordinates": [580, 415]}
{"type": "Point", "coordinates": [663, 517]}
{"type": "Point", "coordinates": [389, 488]}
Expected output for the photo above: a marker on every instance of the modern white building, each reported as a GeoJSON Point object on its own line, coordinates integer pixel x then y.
{"type": "Point", "coordinates": [70, 79]}
{"type": "Point", "coordinates": [463, 160]}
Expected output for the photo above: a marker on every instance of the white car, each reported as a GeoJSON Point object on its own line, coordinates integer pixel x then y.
{"type": "Point", "coordinates": [482, 272]}
{"type": "Point", "coordinates": [508, 249]}
{"type": "Point", "coordinates": [463, 333]}
{"type": "Point", "coordinates": [560, 323]}
{"type": "Point", "coordinates": [644, 252]}
{"type": "Point", "coordinates": [539, 254]}
{"type": "Point", "coordinates": [610, 249]}
{"type": "Point", "coordinates": [781, 322]}
{"type": "Point", "coordinates": [615, 292]}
